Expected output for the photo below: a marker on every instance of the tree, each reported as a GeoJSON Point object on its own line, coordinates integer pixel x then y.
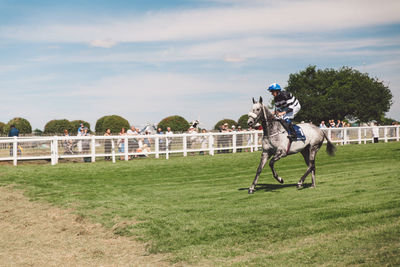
{"type": "Point", "coordinates": [114, 122]}
{"type": "Point", "coordinates": [57, 126]}
{"type": "Point", "coordinates": [99, 125]}
{"type": "Point", "coordinates": [242, 121]}
{"type": "Point", "coordinates": [223, 121]}
{"type": "Point", "coordinates": [2, 126]}
{"type": "Point", "coordinates": [21, 124]}
{"type": "Point", "coordinates": [77, 123]}
{"type": "Point", "coordinates": [177, 124]}
{"type": "Point", "coordinates": [338, 94]}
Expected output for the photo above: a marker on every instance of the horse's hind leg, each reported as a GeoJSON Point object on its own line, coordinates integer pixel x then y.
{"type": "Point", "coordinates": [263, 161]}
{"type": "Point", "coordinates": [271, 165]}
{"type": "Point", "coordinates": [309, 157]}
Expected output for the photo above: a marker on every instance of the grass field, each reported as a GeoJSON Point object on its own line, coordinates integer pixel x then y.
{"type": "Point", "coordinates": [198, 210]}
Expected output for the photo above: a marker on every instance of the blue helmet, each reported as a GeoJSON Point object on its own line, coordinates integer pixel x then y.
{"type": "Point", "coordinates": [274, 87]}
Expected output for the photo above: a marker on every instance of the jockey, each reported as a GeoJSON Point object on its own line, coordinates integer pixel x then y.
{"type": "Point", "coordinates": [286, 107]}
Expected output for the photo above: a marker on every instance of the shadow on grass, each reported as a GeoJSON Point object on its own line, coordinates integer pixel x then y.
{"type": "Point", "coordinates": [274, 187]}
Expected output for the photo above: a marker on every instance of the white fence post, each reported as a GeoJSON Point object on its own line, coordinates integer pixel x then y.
{"type": "Point", "coordinates": [15, 151]}
{"type": "Point", "coordinates": [184, 145]}
{"type": "Point", "coordinates": [365, 136]}
{"type": "Point", "coordinates": [157, 145]}
{"type": "Point", "coordinates": [359, 136]}
{"type": "Point", "coordinates": [93, 148]}
{"type": "Point", "coordinates": [126, 157]}
{"type": "Point", "coordinates": [397, 133]}
{"type": "Point", "coordinates": [211, 144]}
{"type": "Point", "coordinates": [256, 141]}
{"type": "Point", "coordinates": [113, 150]}
{"type": "Point", "coordinates": [385, 134]}
{"type": "Point", "coordinates": [53, 151]}
{"type": "Point", "coordinates": [234, 142]}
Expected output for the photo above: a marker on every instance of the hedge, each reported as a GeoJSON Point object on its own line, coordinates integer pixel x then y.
{"type": "Point", "coordinates": [242, 121]}
{"type": "Point", "coordinates": [21, 124]}
{"type": "Point", "coordinates": [2, 126]}
{"type": "Point", "coordinates": [58, 127]}
{"type": "Point", "coordinates": [114, 122]}
{"type": "Point", "coordinates": [177, 124]}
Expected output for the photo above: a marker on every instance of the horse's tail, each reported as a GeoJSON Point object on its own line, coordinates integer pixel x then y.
{"type": "Point", "coordinates": [330, 148]}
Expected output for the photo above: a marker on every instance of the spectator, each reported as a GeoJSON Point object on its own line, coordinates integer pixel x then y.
{"type": "Point", "coordinates": [339, 124]}
{"type": "Point", "coordinates": [13, 132]}
{"type": "Point", "coordinates": [68, 144]}
{"type": "Point", "coordinates": [121, 143]}
{"type": "Point", "coordinates": [161, 140]}
{"type": "Point", "coordinates": [146, 144]}
{"type": "Point", "coordinates": [79, 143]}
{"type": "Point", "coordinates": [132, 142]}
{"type": "Point", "coordinates": [81, 127]}
{"type": "Point", "coordinates": [107, 144]}
{"type": "Point", "coordinates": [322, 125]}
{"type": "Point", "coordinates": [204, 142]}
{"type": "Point", "coordinates": [169, 140]}
{"type": "Point", "coordinates": [86, 144]}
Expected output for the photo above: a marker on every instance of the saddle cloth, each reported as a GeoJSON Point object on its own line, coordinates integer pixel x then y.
{"type": "Point", "coordinates": [299, 133]}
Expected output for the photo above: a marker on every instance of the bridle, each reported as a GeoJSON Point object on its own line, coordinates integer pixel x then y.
{"type": "Point", "coordinates": [256, 118]}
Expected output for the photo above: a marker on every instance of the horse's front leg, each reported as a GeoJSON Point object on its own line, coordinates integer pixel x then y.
{"type": "Point", "coordinates": [263, 161]}
{"type": "Point", "coordinates": [271, 165]}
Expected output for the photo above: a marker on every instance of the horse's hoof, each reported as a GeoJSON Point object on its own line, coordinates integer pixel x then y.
{"type": "Point", "coordinates": [313, 186]}
{"type": "Point", "coordinates": [299, 186]}
{"type": "Point", "coordinates": [280, 180]}
{"type": "Point", "coordinates": [251, 191]}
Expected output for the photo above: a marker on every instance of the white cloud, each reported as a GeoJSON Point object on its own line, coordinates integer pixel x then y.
{"type": "Point", "coordinates": [196, 24]}
{"type": "Point", "coordinates": [105, 43]}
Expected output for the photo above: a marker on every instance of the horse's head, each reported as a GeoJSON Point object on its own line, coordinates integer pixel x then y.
{"type": "Point", "coordinates": [256, 113]}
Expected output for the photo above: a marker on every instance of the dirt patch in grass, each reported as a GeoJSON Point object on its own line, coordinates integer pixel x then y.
{"type": "Point", "coordinates": [38, 234]}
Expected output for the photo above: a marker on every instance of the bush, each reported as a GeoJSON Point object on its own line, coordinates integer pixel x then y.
{"type": "Point", "coordinates": [242, 122]}
{"type": "Point", "coordinates": [2, 126]}
{"type": "Point", "coordinates": [177, 124]}
{"type": "Point", "coordinates": [57, 127]}
{"type": "Point", "coordinates": [99, 126]}
{"type": "Point", "coordinates": [221, 122]}
{"type": "Point", "coordinates": [21, 124]}
{"type": "Point", "coordinates": [77, 123]}
{"type": "Point", "coordinates": [37, 132]}
{"type": "Point", "coordinates": [114, 122]}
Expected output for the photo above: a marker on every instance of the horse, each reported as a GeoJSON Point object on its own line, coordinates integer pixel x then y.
{"type": "Point", "coordinates": [276, 144]}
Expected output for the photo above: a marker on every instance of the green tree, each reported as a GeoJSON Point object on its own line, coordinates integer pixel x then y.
{"type": "Point", "coordinates": [2, 126]}
{"type": "Point", "coordinates": [338, 94]}
{"type": "Point", "coordinates": [77, 123]}
{"type": "Point", "coordinates": [223, 121]}
{"type": "Point", "coordinates": [21, 124]}
{"type": "Point", "coordinates": [114, 122]}
{"type": "Point", "coordinates": [99, 125]}
{"type": "Point", "coordinates": [242, 121]}
{"type": "Point", "coordinates": [58, 127]}
{"type": "Point", "coordinates": [177, 123]}
{"type": "Point", "coordinates": [37, 132]}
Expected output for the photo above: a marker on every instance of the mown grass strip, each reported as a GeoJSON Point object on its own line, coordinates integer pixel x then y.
{"type": "Point", "coordinates": [198, 209]}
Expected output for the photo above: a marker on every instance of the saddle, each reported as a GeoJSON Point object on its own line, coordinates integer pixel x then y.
{"type": "Point", "coordinates": [298, 131]}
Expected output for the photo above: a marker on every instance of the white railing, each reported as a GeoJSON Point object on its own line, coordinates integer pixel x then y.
{"type": "Point", "coordinates": [125, 147]}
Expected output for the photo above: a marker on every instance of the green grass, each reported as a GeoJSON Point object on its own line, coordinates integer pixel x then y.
{"type": "Point", "coordinates": [198, 209]}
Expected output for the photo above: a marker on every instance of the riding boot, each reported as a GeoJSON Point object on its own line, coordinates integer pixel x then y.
{"type": "Point", "coordinates": [288, 127]}
{"type": "Point", "coordinates": [292, 132]}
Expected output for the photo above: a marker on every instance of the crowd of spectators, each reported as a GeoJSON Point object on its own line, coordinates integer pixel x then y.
{"type": "Point", "coordinates": [333, 124]}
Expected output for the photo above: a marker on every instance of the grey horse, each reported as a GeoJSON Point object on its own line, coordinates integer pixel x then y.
{"type": "Point", "coordinates": [276, 144]}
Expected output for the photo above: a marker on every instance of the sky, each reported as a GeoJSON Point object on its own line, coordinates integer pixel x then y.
{"type": "Point", "coordinates": [200, 59]}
